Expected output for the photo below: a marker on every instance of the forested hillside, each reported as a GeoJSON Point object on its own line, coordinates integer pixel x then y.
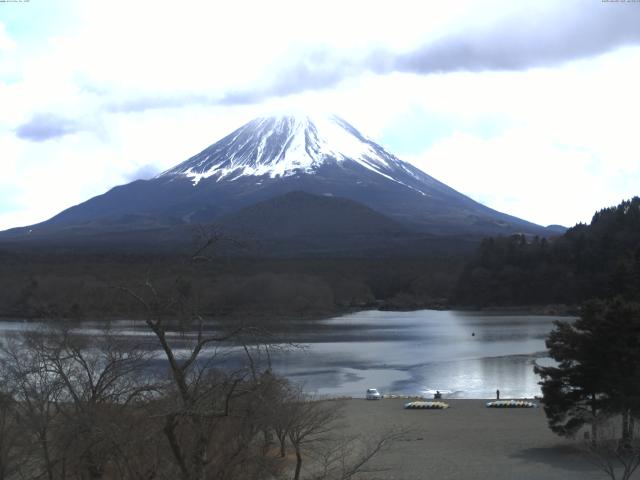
{"type": "Point", "coordinates": [598, 260]}
{"type": "Point", "coordinates": [83, 285]}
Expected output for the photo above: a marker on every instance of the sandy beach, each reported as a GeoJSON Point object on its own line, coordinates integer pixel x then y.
{"type": "Point", "coordinates": [468, 441]}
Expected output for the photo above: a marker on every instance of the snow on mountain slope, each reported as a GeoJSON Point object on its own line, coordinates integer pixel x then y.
{"type": "Point", "coordinates": [282, 146]}
{"type": "Point", "coordinates": [273, 156]}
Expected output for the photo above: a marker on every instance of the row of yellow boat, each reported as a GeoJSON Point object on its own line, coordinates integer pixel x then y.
{"type": "Point", "coordinates": [493, 404]}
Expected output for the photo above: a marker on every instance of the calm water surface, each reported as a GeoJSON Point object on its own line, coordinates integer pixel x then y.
{"type": "Point", "coordinates": [461, 354]}
{"type": "Point", "coordinates": [424, 351]}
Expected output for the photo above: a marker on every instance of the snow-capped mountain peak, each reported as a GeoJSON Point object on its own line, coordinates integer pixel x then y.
{"type": "Point", "coordinates": [284, 145]}
{"type": "Point", "coordinates": [273, 157]}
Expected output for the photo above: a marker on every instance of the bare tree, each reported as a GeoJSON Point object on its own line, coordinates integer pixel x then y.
{"type": "Point", "coordinates": [346, 456]}
{"type": "Point", "coordinates": [310, 422]}
{"type": "Point", "coordinates": [315, 430]}
{"type": "Point", "coordinates": [36, 394]}
{"type": "Point", "coordinates": [9, 434]}
{"type": "Point", "coordinates": [615, 452]}
{"type": "Point", "coordinates": [75, 397]}
{"type": "Point", "coordinates": [278, 397]}
{"type": "Point", "coordinates": [205, 395]}
{"type": "Point", "coordinates": [101, 380]}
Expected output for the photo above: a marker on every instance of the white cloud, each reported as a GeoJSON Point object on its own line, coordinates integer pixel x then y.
{"type": "Point", "coordinates": [522, 173]}
{"type": "Point", "coordinates": [6, 42]}
{"type": "Point", "coordinates": [48, 177]}
{"type": "Point", "coordinates": [548, 144]}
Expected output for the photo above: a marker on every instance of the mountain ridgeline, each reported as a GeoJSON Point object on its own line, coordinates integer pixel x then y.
{"type": "Point", "coordinates": [365, 200]}
{"type": "Point", "coordinates": [600, 260]}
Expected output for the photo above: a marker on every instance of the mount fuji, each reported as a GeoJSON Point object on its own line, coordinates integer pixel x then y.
{"type": "Point", "coordinates": [338, 169]}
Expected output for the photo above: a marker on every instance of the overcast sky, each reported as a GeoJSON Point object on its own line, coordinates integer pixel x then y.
{"type": "Point", "coordinates": [529, 107]}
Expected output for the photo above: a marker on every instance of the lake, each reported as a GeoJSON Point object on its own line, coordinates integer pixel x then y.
{"type": "Point", "coordinates": [461, 354]}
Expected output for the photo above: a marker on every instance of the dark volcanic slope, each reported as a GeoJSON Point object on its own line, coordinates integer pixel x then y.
{"type": "Point", "coordinates": [302, 224]}
{"type": "Point", "coordinates": [301, 213]}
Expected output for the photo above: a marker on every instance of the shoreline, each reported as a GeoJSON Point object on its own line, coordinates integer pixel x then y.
{"type": "Point", "coordinates": [467, 441]}
{"type": "Point", "coordinates": [288, 319]}
{"type": "Point", "coordinates": [422, 398]}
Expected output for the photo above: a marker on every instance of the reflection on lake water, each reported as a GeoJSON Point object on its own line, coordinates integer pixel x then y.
{"type": "Point", "coordinates": [461, 354]}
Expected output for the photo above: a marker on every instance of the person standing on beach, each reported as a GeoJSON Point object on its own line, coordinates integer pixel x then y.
{"type": "Point", "coordinates": [497, 394]}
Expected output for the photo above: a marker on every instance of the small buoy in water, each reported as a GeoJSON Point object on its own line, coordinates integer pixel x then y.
{"type": "Point", "coordinates": [473, 334]}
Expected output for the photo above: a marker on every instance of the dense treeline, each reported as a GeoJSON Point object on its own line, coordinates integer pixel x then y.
{"type": "Point", "coordinates": [600, 260]}
{"type": "Point", "coordinates": [85, 285]}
